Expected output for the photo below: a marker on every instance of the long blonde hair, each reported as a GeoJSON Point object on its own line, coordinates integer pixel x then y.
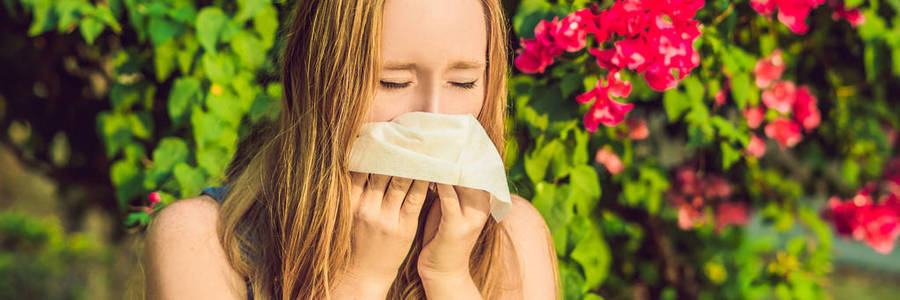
{"type": "Point", "coordinates": [286, 218]}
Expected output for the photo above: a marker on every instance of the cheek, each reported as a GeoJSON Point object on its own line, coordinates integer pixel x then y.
{"type": "Point", "coordinates": [384, 109]}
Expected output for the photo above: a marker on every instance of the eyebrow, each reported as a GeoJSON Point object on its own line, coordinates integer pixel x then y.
{"type": "Point", "coordinates": [457, 65]}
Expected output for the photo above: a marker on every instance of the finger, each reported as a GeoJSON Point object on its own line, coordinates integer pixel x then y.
{"type": "Point", "coordinates": [415, 198]}
{"type": "Point", "coordinates": [374, 191]}
{"type": "Point", "coordinates": [449, 202]}
{"type": "Point", "coordinates": [357, 186]}
{"type": "Point", "coordinates": [393, 197]}
{"type": "Point", "coordinates": [473, 202]}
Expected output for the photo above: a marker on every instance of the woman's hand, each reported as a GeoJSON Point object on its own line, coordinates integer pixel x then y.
{"type": "Point", "coordinates": [447, 247]}
{"type": "Point", "coordinates": [386, 213]}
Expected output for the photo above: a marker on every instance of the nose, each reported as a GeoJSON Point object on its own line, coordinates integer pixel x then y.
{"type": "Point", "coordinates": [430, 98]}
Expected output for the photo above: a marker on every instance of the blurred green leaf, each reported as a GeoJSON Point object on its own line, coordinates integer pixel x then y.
{"type": "Point", "coordinates": [183, 95]}
{"type": "Point", "coordinates": [210, 21]}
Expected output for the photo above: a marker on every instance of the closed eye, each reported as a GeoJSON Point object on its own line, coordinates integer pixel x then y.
{"type": "Point", "coordinates": [465, 85]}
{"type": "Point", "coordinates": [394, 85]}
{"type": "Point", "coordinates": [400, 85]}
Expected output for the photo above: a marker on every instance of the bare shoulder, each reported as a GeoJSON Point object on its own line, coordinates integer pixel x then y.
{"type": "Point", "coordinates": [532, 248]}
{"type": "Point", "coordinates": [183, 256]}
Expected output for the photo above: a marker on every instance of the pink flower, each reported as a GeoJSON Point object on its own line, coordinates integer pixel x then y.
{"type": "Point", "coordinates": [763, 7]}
{"type": "Point", "coordinates": [617, 86]}
{"type": "Point", "coordinates": [715, 186]}
{"type": "Point", "coordinates": [754, 116]}
{"type": "Point", "coordinates": [637, 129]}
{"type": "Point", "coordinates": [768, 69]}
{"type": "Point", "coordinates": [791, 13]}
{"type": "Point", "coordinates": [605, 110]}
{"type": "Point", "coordinates": [610, 160]}
{"type": "Point", "coordinates": [854, 16]}
{"type": "Point", "coordinates": [571, 34]}
{"type": "Point", "coordinates": [689, 216]}
{"type": "Point", "coordinates": [536, 54]}
{"type": "Point", "coordinates": [785, 131]}
{"type": "Point", "coordinates": [781, 96]}
{"type": "Point", "coordinates": [690, 192]}
{"type": "Point", "coordinates": [532, 57]}
{"type": "Point", "coordinates": [653, 38]}
{"type": "Point", "coordinates": [806, 110]}
{"type": "Point", "coordinates": [660, 79]}
{"type": "Point", "coordinates": [153, 198]}
{"type": "Point", "coordinates": [757, 146]}
{"type": "Point", "coordinates": [842, 215]}
{"type": "Point", "coordinates": [878, 225]}
{"type": "Point", "coordinates": [879, 228]}
{"type": "Point", "coordinates": [731, 213]}
{"type": "Point", "coordinates": [720, 98]}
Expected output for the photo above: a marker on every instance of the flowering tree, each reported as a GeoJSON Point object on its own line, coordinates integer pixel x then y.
{"type": "Point", "coordinates": [678, 102]}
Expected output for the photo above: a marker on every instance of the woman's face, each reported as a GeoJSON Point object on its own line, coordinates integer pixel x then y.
{"type": "Point", "coordinates": [433, 58]}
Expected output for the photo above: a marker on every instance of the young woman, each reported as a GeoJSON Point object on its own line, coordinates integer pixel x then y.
{"type": "Point", "coordinates": [295, 223]}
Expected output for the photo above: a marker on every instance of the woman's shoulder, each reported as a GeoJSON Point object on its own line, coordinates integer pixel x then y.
{"type": "Point", "coordinates": [183, 253]}
{"type": "Point", "coordinates": [531, 252]}
{"type": "Point", "coordinates": [187, 220]}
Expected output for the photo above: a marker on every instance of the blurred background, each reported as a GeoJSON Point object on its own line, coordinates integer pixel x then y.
{"type": "Point", "coordinates": [764, 167]}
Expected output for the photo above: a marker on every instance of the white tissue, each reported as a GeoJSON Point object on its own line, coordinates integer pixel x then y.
{"type": "Point", "coordinates": [441, 148]}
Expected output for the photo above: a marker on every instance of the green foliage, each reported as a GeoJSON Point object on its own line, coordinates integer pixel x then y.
{"type": "Point", "coordinates": [206, 67]}
{"type": "Point", "coordinates": [39, 260]}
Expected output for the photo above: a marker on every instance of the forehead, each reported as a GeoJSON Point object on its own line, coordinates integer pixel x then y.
{"type": "Point", "coordinates": [433, 32]}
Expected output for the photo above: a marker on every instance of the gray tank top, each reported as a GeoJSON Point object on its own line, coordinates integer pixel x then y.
{"type": "Point", "coordinates": [218, 193]}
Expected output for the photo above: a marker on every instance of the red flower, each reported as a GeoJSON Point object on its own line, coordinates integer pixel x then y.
{"type": "Point", "coordinates": [768, 69]}
{"type": "Point", "coordinates": [785, 131]}
{"type": "Point", "coordinates": [731, 213]}
{"type": "Point", "coordinates": [609, 160]}
{"type": "Point", "coordinates": [757, 146]}
{"type": "Point", "coordinates": [754, 116]}
{"type": "Point", "coordinates": [781, 96]}
{"type": "Point", "coordinates": [806, 110]}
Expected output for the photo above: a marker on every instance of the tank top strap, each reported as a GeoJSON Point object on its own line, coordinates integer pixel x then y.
{"type": "Point", "coordinates": [216, 192]}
